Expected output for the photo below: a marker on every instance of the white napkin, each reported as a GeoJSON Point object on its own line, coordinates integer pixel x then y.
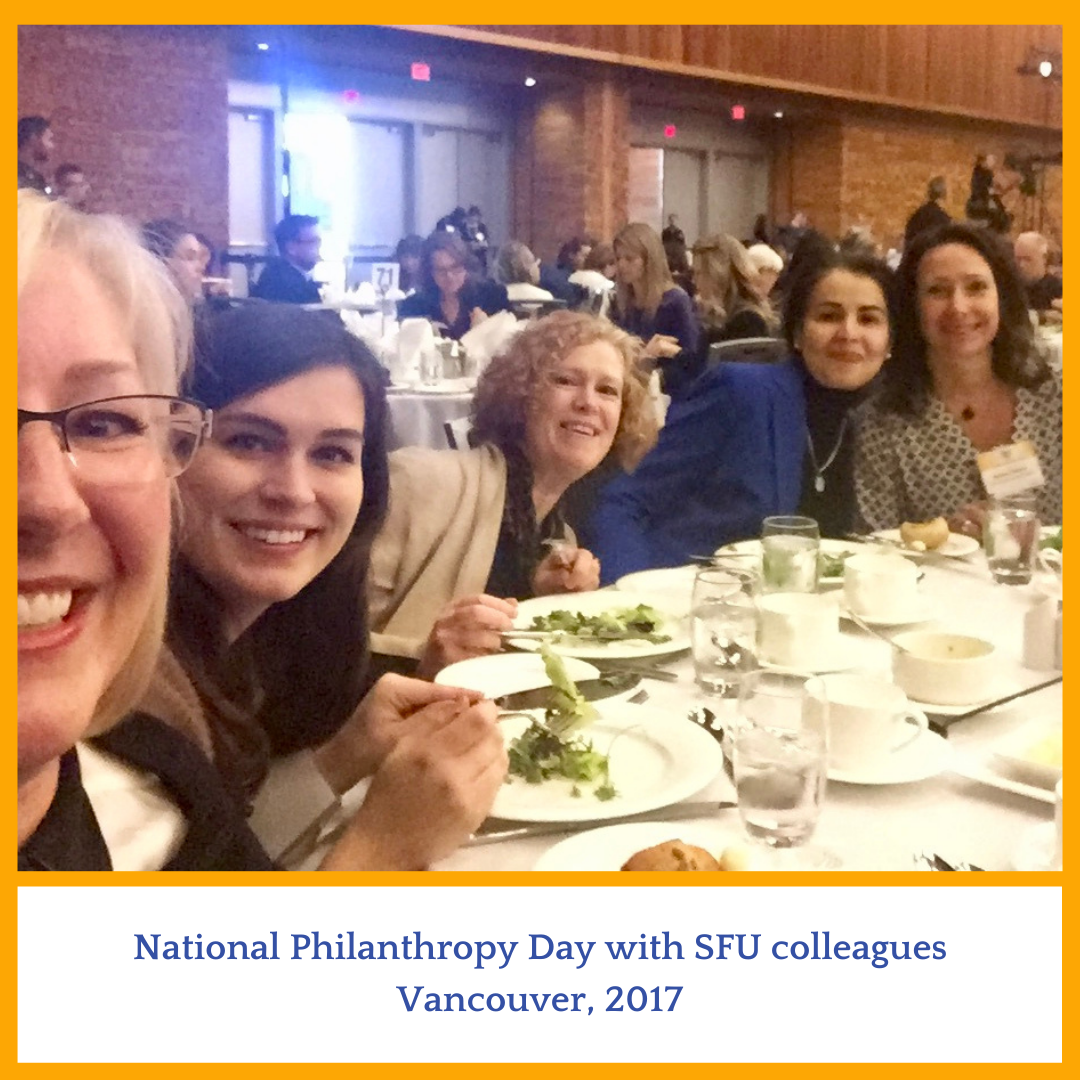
{"type": "Point", "coordinates": [491, 337]}
{"type": "Point", "coordinates": [365, 293]}
{"type": "Point", "coordinates": [415, 338]}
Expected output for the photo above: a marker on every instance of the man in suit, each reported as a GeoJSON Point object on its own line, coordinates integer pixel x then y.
{"type": "Point", "coordinates": [931, 215]}
{"type": "Point", "coordinates": [1030, 250]}
{"type": "Point", "coordinates": [36, 143]}
{"type": "Point", "coordinates": [287, 279]}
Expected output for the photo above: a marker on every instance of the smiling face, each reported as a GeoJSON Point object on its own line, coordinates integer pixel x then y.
{"type": "Point", "coordinates": [93, 557]}
{"type": "Point", "coordinates": [271, 499]}
{"type": "Point", "coordinates": [844, 337]}
{"type": "Point", "coordinates": [575, 413]}
{"type": "Point", "coordinates": [958, 304]}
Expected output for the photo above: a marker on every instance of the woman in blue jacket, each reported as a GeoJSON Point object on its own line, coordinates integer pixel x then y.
{"type": "Point", "coordinates": [752, 440]}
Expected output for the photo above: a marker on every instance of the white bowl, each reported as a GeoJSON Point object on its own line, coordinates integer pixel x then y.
{"type": "Point", "coordinates": [940, 668]}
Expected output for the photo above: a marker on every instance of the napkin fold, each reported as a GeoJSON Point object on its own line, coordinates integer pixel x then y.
{"type": "Point", "coordinates": [490, 337]}
{"type": "Point", "coordinates": [415, 340]}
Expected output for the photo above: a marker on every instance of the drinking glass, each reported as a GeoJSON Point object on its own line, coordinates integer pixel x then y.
{"type": "Point", "coordinates": [723, 627]}
{"type": "Point", "coordinates": [780, 759]}
{"type": "Point", "coordinates": [431, 365]}
{"type": "Point", "coordinates": [789, 554]}
{"type": "Point", "coordinates": [1011, 539]}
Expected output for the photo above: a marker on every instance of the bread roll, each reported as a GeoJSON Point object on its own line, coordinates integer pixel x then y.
{"type": "Point", "coordinates": [672, 855]}
{"type": "Point", "coordinates": [931, 534]}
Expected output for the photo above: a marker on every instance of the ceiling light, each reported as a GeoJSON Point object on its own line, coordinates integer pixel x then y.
{"type": "Point", "coordinates": [530, 81]}
{"type": "Point", "coordinates": [778, 114]}
{"type": "Point", "coordinates": [262, 47]}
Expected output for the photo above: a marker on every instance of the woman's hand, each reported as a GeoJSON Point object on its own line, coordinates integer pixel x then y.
{"type": "Point", "coordinates": [433, 790]}
{"type": "Point", "coordinates": [477, 316]}
{"type": "Point", "coordinates": [467, 627]}
{"type": "Point", "coordinates": [372, 732]}
{"type": "Point", "coordinates": [661, 347]}
{"type": "Point", "coordinates": [566, 569]}
{"type": "Point", "coordinates": [969, 520]}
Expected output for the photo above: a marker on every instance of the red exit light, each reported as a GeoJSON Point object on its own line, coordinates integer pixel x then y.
{"type": "Point", "coordinates": [738, 112]}
{"type": "Point", "coordinates": [670, 131]}
{"type": "Point", "coordinates": [351, 96]}
{"type": "Point", "coordinates": [421, 72]}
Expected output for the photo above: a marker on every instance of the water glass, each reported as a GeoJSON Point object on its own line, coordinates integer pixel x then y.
{"type": "Point", "coordinates": [1011, 539]}
{"type": "Point", "coordinates": [431, 366]}
{"type": "Point", "coordinates": [789, 554]}
{"type": "Point", "coordinates": [780, 764]}
{"type": "Point", "coordinates": [723, 627]}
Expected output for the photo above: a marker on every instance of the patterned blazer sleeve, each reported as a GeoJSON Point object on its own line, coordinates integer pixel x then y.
{"type": "Point", "coordinates": [879, 480]}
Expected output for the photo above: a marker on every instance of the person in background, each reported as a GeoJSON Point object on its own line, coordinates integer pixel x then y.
{"type": "Point", "coordinates": [729, 301]}
{"type": "Point", "coordinates": [468, 533]}
{"type": "Point", "coordinates": [931, 215]}
{"type": "Point", "coordinates": [573, 253]}
{"type": "Point", "coordinates": [760, 232]}
{"type": "Point", "coordinates": [71, 185]}
{"type": "Point", "coordinates": [752, 440]}
{"type": "Point", "coordinates": [769, 264]}
{"type": "Point", "coordinates": [178, 247]}
{"type": "Point", "coordinates": [650, 305]}
{"type": "Point", "coordinates": [1030, 249]}
{"type": "Point", "coordinates": [671, 231]}
{"type": "Point", "coordinates": [601, 258]}
{"type": "Point", "coordinates": [518, 269]}
{"type": "Point", "coordinates": [36, 145]}
{"type": "Point", "coordinates": [451, 295]}
{"type": "Point", "coordinates": [965, 377]}
{"type": "Point", "coordinates": [266, 632]}
{"type": "Point", "coordinates": [409, 255]}
{"type": "Point", "coordinates": [287, 279]}
{"type": "Point", "coordinates": [678, 260]}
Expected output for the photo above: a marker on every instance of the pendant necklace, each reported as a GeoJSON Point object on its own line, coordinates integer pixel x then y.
{"type": "Point", "coordinates": [820, 470]}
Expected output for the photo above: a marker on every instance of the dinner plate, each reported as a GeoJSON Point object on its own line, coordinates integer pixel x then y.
{"type": "Point", "coordinates": [926, 756]}
{"type": "Point", "coordinates": [595, 603]}
{"type": "Point", "coordinates": [828, 547]}
{"type": "Point", "coordinates": [656, 759]}
{"type": "Point", "coordinates": [957, 546]}
{"type": "Point", "coordinates": [508, 673]}
{"type": "Point", "coordinates": [1020, 752]}
{"type": "Point", "coordinates": [675, 581]}
{"type": "Point", "coordinates": [922, 609]}
{"type": "Point", "coordinates": [607, 848]}
{"type": "Point", "coordinates": [1036, 848]}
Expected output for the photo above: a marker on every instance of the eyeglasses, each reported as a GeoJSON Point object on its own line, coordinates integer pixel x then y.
{"type": "Point", "coordinates": [125, 440]}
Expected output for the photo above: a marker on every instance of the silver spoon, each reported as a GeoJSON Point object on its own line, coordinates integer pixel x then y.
{"type": "Point", "coordinates": [858, 621]}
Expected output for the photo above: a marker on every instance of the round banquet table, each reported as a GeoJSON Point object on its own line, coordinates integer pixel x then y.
{"type": "Point", "coordinates": [882, 827]}
{"type": "Point", "coordinates": [417, 415]}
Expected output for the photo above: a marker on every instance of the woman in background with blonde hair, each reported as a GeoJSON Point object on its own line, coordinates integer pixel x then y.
{"type": "Point", "coordinates": [728, 299]}
{"type": "Point", "coordinates": [650, 305]}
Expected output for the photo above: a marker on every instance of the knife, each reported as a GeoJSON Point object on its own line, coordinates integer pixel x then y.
{"type": "Point", "coordinates": [541, 697]}
{"type": "Point", "coordinates": [675, 812]}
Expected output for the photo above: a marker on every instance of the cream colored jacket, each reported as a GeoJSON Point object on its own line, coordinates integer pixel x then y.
{"type": "Point", "coordinates": [438, 541]}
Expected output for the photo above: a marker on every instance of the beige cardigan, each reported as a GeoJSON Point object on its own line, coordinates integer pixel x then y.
{"type": "Point", "coordinates": [438, 542]}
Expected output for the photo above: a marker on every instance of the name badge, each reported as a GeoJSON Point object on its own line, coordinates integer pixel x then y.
{"type": "Point", "coordinates": [1010, 470]}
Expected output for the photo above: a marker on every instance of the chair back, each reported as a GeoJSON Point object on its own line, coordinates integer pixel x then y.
{"type": "Point", "coordinates": [459, 433]}
{"type": "Point", "coordinates": [758, 350]}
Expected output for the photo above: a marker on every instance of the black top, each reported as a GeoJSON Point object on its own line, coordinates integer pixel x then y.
{"type": "Point", "coordinates": [29, 177]}
{"type": "Point", "coordinates": [486, 295]}
{"type": "Point", "coordinates": [281, 281]}
{"type": "Point", "coordinates": [514, 563]}
{"type": "Point", "coordinates": [1041, 293]}
{"type": "Point", "coordinates": [217, 838]}
{"type": "Point", "coordinates": [826, 411]}
{"type": "Point", "coordinates": [929, 216]}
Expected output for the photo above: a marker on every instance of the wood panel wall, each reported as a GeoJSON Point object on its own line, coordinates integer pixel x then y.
{"type": "Point", "coordinates": [959, 69]}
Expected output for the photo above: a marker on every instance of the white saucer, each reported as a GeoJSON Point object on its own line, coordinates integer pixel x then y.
{"type": "Point", "coordinates": [842, 657]}
{"type": "Point", "coordinates": [922, 610]}
{"type": "Point", "coordinates": [927, 756]}
{"type": "Point", "coordinates": [1036, 849]}
{"type": "Point", "coordinates": [957, 710]}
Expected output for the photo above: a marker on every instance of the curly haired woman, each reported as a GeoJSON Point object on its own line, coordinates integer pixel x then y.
{"type": "Point", "coordinates": [465, 533]}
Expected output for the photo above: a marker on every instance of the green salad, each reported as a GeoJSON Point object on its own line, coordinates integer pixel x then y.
{"type": "Point", "coordinates": [1052, 541]}
{"type": "Point", "coordinates": [832, 566]}
{"type": "Point", "coordinates": [552, 749]}
{"type": "Point", "coordinates": [641, 623]}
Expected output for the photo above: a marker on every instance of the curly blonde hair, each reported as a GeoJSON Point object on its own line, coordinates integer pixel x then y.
{"type": "Point", "coordinates": [505, 391]}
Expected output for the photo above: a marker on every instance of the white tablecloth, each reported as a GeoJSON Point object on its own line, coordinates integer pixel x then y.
{"type": "Point", "coordinates": [417, 418]}
{"type": "Point", "coordinates": [880, 827]}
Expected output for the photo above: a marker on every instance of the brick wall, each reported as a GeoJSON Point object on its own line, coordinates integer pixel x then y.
{"type": "Point", "coordinates": [143, 109]}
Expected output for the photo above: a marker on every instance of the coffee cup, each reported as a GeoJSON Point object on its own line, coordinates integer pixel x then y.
{"type": "Point", "coordinates": [880, 585]}
{"type": "Point", "coordinates": [944, 669]}
{"type": "Point", "coordinates": [798, 630]}
{"type": "Point", "coordinates": [868, 719]}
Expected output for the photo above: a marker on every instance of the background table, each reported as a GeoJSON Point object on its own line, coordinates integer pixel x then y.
{"type": "Point", "coordinates": [417, 416]}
